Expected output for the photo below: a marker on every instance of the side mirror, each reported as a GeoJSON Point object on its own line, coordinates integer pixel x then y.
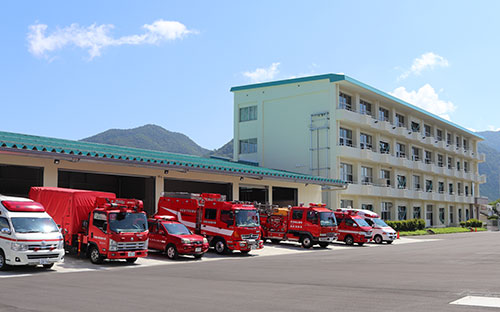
{"type": "Point", "coordinates": [5, 231]}
{"type": "Point", "coordinates": [85, 224]}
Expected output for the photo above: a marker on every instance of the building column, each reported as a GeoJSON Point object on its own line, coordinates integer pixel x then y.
{"type": "Point", "coordinates": [50, 175]}
{"type": "Point", "coordinates": [236, 191]}
{"type": "Point", "coordinates": [159, 189]}
{"type": "Point", "coordinates": [270, 194]}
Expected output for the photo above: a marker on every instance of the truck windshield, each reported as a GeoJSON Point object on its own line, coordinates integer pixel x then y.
{"type": "Point", "coordinates": [176, 229]}
{"type": "Point", "coordinates": [127, 222]}
{"type": "Point", "coordinates": [380, 222]}
{"type": "Point", "coordinates": [34, 225]}
{"type": "Point", "coordinates": [361, 222]}
{"type": "Point", "coordinates": [247, 218]}
{"type": "Point", "coordinates": [327, 219]}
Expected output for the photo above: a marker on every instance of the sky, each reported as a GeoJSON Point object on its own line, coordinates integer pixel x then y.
{"type": "Point", "coordinates": [73, 69]}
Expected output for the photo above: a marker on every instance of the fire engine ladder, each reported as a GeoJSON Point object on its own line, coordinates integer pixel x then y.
{"type": "Point", "coordinates": [320, 144]}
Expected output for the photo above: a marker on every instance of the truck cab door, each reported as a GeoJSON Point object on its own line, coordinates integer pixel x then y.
{"type": "Point", "coordinates": [153, 236]}
{"type": "Point", "coordinates": [98, 229]}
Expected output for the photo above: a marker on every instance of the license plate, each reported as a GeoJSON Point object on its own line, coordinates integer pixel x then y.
{"type": "Point", "coordinates": [44, 261]}
{"type": "Point", "coordinates": [197, 249]}
{"type": "Point", "coordinates": [253, 247]}
{"type": "Point", "coordinates": [131, 253]}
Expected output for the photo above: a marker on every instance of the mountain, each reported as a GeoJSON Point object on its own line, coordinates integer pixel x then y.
{"type": "Point", "coordinates": [151, 137]}
{"type": "Point", "coordinates": [225, 151]}
{"type": "Point", "coordinates": [491, 167]}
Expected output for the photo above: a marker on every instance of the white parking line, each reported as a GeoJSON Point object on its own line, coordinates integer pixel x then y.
{"type": "Point", "coordinates": [490, 302]}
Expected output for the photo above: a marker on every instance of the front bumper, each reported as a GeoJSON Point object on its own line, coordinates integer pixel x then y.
{"type": "Point", "coordinates": [125, 254]}
{"type": "Point", "coordinates": [246, 245]}
{"type": "Point", "coordinates": [190, 249]}
{"type": "Point", "coordinates": [389, 236]}
{"type": "Point", "coordinates": [34, 257]}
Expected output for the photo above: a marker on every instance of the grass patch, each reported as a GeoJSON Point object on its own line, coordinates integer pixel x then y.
{"type": "Point", "coordinates": [446, 230]}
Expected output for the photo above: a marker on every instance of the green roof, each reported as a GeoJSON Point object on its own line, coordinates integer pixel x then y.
{"type": "Point", "coordinates": [74, 150]}
{"type": "Point", "coordinates": [339, 77]}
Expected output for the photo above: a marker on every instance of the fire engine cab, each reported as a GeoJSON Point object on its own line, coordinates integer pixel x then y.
{"type": "Point", "coordinates": [352, 227]}
{"type": "Point", "coordinates": [169, 235]}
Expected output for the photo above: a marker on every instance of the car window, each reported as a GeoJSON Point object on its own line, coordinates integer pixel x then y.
{"type": "Point", "coordinates": [297, 214]}
{"type": "Point", "coordinates": [210, 214]}
{"type": "Point", "coordinates": [4, 223]}
{"type": "Point", "coordinates": [99, 220]}
{"type": "Point", "coordinates": [349, 222]}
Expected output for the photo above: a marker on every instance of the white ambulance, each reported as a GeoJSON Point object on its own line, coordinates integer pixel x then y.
{"type": "Point", "coordinates": [28, 235]}
{"type": "Point", "coordinates": [381, 231]}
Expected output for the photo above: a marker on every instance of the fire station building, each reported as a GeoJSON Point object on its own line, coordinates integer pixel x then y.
{"type": "Point", "coordinates": [28, 160]}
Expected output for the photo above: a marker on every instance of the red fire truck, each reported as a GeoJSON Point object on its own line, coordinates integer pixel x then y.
{"type": "Point", "coordinates": [310, 225]}
{"type": "Point", "coordinates": [352, 228]}
{"type": "Point", "coordinates": [169, 235]}
{"type": "Point", "coordinates": [227, 225]}
{"type": "Point", "coordinates": [97, 224]}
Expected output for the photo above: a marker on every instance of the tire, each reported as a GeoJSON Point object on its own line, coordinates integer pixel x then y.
{"type": "Point", "coordinates": [3, 265]}
{"type": "Point", "coordinates": [245, 252]}
{"type": "Point", "coordinates": [361, 244]}
{"type": "Point", "coordinates": [48, 266]}
{"type": "Point", "coordinates": [220, 247]}
{"type": "Point", "coordinates": [95, 256]}
{"type": "Point", "coordinates": [349, 240]}
{"type": "Point", "coordinates": [378, 239]}
{"type": "Point", "coordinates": [198, 256]}
{"type": "Point", "coordinates": [323, 245]}
{"type": "Point", "coordinates": [389, 242]}
{"type": "Point", "coordinates": [275, 241]}
{"type": "Point", "coordinates": [131, 260]}
{"type": "Point", "coordinates": [306, 241]}
{"type": "Point", "coordinates": [172, 252]}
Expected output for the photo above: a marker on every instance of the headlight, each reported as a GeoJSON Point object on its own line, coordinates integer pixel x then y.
{"type": "Point", "coordinates": [113, 246]}
{"type": "Point", "coordinates": [185, 241]}
{"type": "Point", "coordinates": [60, 245]}
{"type": "Point", "coordinates": [18, 247]}
{"type": "Point", "coordinates": [362, 233]}
{"type": "Point", "coordinates": [205, 240]}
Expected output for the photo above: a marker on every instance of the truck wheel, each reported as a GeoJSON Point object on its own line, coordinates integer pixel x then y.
{"type": "Point", "coordinates": [198, 256]}
{"type": "Point", "coordinates": [220, 247]}
{"type": "Point", "coordinates": [349, 240]}
{"type": "Point", "coordinates": [95, 256]}
{"type": "Point", "coordinates": [306, 242]}
{"type": "Point", "coordinates": [378, 239]}
{"type": "Point", "coordinates": [48, 266]}
{"type": "Point", "coordinates": [131, 260]}
{"type": "Point", "coordinates": [172, 252]}
{"type": "Point", "coordinates": [245, 252]}
{"type": "Point", "coordinates": [360, 244]}
{"type": "Point", "coordinates": [275, 241]}
{"type": "Point", "coordinates": [323, 245]}
{"type": "Point", "coordinates": [3, 266]}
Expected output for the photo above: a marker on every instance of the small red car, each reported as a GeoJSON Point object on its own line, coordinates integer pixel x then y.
{"type": "Point", "coordinates": [174, 238]}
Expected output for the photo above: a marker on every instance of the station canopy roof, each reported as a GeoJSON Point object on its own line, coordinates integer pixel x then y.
{"type": "Point", "coordinates": [75, 151]}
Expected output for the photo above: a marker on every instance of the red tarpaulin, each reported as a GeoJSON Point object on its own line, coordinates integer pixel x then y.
{"type": "Point", "coordinates": [67, 207]}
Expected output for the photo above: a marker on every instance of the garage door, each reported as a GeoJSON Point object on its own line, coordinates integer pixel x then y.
{"type": "Point", "coordinates": [17, 180]}
{"type": "Point", "coordinates": [190, 186]}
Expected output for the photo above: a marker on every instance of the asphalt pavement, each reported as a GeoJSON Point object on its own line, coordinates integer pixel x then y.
{"type": "Point", "coordinates": [414, 274]}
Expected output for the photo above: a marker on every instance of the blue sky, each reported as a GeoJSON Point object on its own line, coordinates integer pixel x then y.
{"type": "Point", "coordinates": [124, 64]}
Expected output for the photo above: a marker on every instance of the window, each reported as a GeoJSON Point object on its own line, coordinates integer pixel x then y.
{"type": "Point", "coordinates": [384, 147]}
{"type": "Point", "coordinates": [345, 137]}
{"type": "Point", "coordinates": [416, 213]}
{"type": "Point", "coordinates": [439, 135]}
{"type": "Point", "coordinates": [466, 190]}
{"type": "Point", "coordinates": [401, 182]}
{"type": "Point", "coordinates": [459, 215]}
{"type": "Point", "coordinates": [99, 220]}
{"type": "Point", "coordinates": [448, 139]}
{"type": "Point", "coordinates": [345, 101]}
{"type": "Point", "coordinates": [451, 214]}
{"type": "Point", "coordinates": [427, 131]}
{"type": "Point", "coordinates": [383, 114]}
{"type": "Point", "coordinates": [441, 215]}
{"type": "Point", "coordinates": [401, 212]}
{"type": "Point", "coordinates": [312, 217]}
{"type": "Point", "coordinates": [227, 217]}
{"type": "Point", "coordinates": [400, 120]}
{"type": "Point", "coordinates": [385, 209]}
{"type": "Point", "coordinates": [415, 151]}
{"type": "Point", "coordinates": [459, 188]}
{"type": "Point", "coordinates": [450, 188]}
{"type": "Point", "coordinates": [428, 186]}
{"type": "Point", "coordinates": [450, 163]}
{"type": "Point", "coordinates": [365, 107]}
{"type": "Point", "coordinates": [400, 150]}
{"type": "Point", "coordinates": [346, 172]}
{"type": "Point", "coordinates": [4, 223]}
{"type": "Point", "coordinates": [441, 187]}
{"type": "Point", "coordinates": [346, 203]}
{"type": "Point", "coordinates": [429, 215]}
{"type": "Point", "coordinates": [416, 182]}
{"type": "Point", "coordinates": [457, 141]}
{"type": "Point", "coordinates": [385, 176]}
{"type": "Point", "coordinates": [365, 141]}
{"type": "Point", "coordinates": [440, 160]}
{"type": "Point", "coordinates": [366, 175]}
{"type": "Point", "coordinates": [367, 207]}
{"type": "Point", "coordinates": [248, 146]}
{"type": "Point", "coordinates": [465, 145]}
{"type": "Point", "coordinates": [349, 222]}
{"type": "Point", "coordinates": [297, 214]}
{"type": "Point", "coordinates": [248, 113]}
{"type": "Point", "coordinates": [210, 214]}
{"type": "Point", "coordinates": [428, 157]}
{"type": "Point", "coordinates": [467, 214]}
{"type": "Point", "coordinates": [415, 126]}
{"type": "Point", "coordinates": [466, 166]}
{"type": "Point", "coordinates": [458, 164]}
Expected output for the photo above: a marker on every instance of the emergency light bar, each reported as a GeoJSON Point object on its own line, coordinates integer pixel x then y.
{"type": "Point", "coordinates": [163, 217]}
{"type": "Point", "coordinates": [23, 206]}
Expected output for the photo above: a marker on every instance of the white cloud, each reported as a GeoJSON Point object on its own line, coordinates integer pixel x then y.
{"type": "Point", "coordinates": [96, 37]}
{"type": "Point", "coordinates": [427, 60]}
{"type": "Point", "coordinates": [426, 98]}
{"type": "Point", "coordinates": [263, 74]}
{"type": "Point", "coordinates": [493, 128]}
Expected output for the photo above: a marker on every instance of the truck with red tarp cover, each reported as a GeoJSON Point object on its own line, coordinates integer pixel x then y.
{"type": "Point", "coordinates": [309, 225]}
{"type": "Point", "coordinates": [227, 225]}
{"type": "Point", "coordinates": [97, 224]}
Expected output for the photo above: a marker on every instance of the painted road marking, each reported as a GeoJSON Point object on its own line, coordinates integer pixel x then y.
{"type": "Point", "coordinates": [490, 302]}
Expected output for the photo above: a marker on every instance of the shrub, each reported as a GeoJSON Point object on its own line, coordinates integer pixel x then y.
{"type": "Point", "coordinates": [475, 223]}
{"type": "Point", "coordinates": [407, 225]}
{"type": "Point", "coordinates": [462, 223]}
